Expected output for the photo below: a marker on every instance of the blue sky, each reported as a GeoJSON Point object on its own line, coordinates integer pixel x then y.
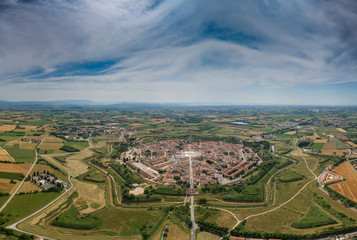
{"type": "Point", "coordinates": [180, 51]}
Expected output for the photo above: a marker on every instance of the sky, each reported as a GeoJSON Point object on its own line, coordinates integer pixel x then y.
{"type": "Point", "coordinates": [294, 52]}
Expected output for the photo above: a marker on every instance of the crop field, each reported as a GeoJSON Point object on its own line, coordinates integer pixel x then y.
{"type": "Point", "coordinates": [52, 139]}
{"type": "Point", "coordinates": [313, 137]}
{"type": "Point", "coordinates": [10, 175]}
{"type": "Point", "coordinates": [51, 145]}
{"type": "Point", "coordinates": [348, 187]}
{"type": "Point", "coordinates": [329, 146]}
{"type": "Point", "coordinates": [335, 152]}
{"type": "Point", "coordinates": [317, 145]}
{"type": "Point", "coordinates": [38, 138]}
{"type": "Point", "coordinates": [7, 128]}
{"type": "Point", "coordinates": [15, 168]}
{"type": "Point", "coordinates": [339, 143]}
{"type": "Point", "coordinates": [28, 127]}
{"type": "Point", "coordinates": [352, 144]}
{"type": "Point", "coordinates": [341, 129]}
{"type": "Point", "coordinates": [290, 132]}
{"type": "Point", "coordinates": [29, 186]}
{"type": "Point", "coordinates": [321, 141]}
{"type": "Point", "coordinates": [49, 148]}
{"type": "Point", "coordinates": [3, 200]}
{"type": "Point", "coordinates": [21, 155]}
{"type": "Point", "coordinates": [22, 144]}
{"type": "Point", "coordinates": [4, 156]}
{"type": "Point", "coordinates": [6, 185]}
{"type": "Point", "coordinates": [32, 202]}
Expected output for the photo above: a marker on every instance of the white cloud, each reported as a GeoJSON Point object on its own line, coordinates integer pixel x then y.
{"type": "Point", "coordinates": [165, 53]}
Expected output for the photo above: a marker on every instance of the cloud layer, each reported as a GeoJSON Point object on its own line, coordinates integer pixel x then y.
{"type": "Point", "coordinates": [176, 50]}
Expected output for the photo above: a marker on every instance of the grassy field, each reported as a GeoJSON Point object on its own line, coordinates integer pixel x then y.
{"type": "Point", "coordinates": [30, 203]}
{"type": "Point", "coordinates": [206, 214]}
{"type": "Point", "coordinates": [72, 219]}
{"type": "Point", "coordinates": [314, 218]}
{"type": "Point", "coordinates": [207, 236]}
{"type": "Point", "coordinates": [175, 231]}
{"type": "Point", "coordinates": [290, 176]}
{"type": "Point", "coordinates": [93, 175]}
{"type": "Point", "coordinates": [128, 221]}
{"type": "Point", "coordinates": [80, 145]}
{"type": "Point", "coordinates": [21, 155]}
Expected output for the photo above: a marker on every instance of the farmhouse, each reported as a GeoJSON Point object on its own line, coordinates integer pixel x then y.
{"type": "Point", "coordinates": [46, 181]}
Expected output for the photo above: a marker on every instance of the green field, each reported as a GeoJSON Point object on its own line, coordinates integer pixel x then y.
{"type": "Point", "coordinates": [72, 219]}
{"type": "Point", "coordinates": [21, 155]}
{"type": "Point", "coordinates": [3, 200]}
{"type": "Point", "coordinates": [8, 175]}
{"type": "Point", "coordinates": [23, 205]}
{"type": "Point", "coordinates": [206, 214]}
{"type": "Point", "coordinates": [290, 176]}
{"type": "Point", "coordinates": [80, 145]}
{"type": "Point", "coordinates": [128, 221]}
{"type": "Point", "coordinates": [317, 146]}
{"type": "Point", "coordinates": [93, 175]}
{"type": "Point", "coordinates": [314, 218]}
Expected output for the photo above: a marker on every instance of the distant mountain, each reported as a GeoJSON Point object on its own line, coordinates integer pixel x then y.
{"type": "Point", "coordinates": [49, 103]}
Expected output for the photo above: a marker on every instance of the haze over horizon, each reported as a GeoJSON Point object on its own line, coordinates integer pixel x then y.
{"type": "Point", "coordinates": [179, 51]}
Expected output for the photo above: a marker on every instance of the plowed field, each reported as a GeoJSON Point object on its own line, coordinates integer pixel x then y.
{"type": "Point", "coordinates": [346, 188]}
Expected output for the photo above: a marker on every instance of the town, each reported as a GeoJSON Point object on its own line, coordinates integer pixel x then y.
{"type": "Point", "coordinates": [166, 162]}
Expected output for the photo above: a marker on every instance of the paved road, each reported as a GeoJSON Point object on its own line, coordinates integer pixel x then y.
{"type": "Point", "coordinates": [194, 225]}
{"type": "Point", "coordinates": [23, 180]}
